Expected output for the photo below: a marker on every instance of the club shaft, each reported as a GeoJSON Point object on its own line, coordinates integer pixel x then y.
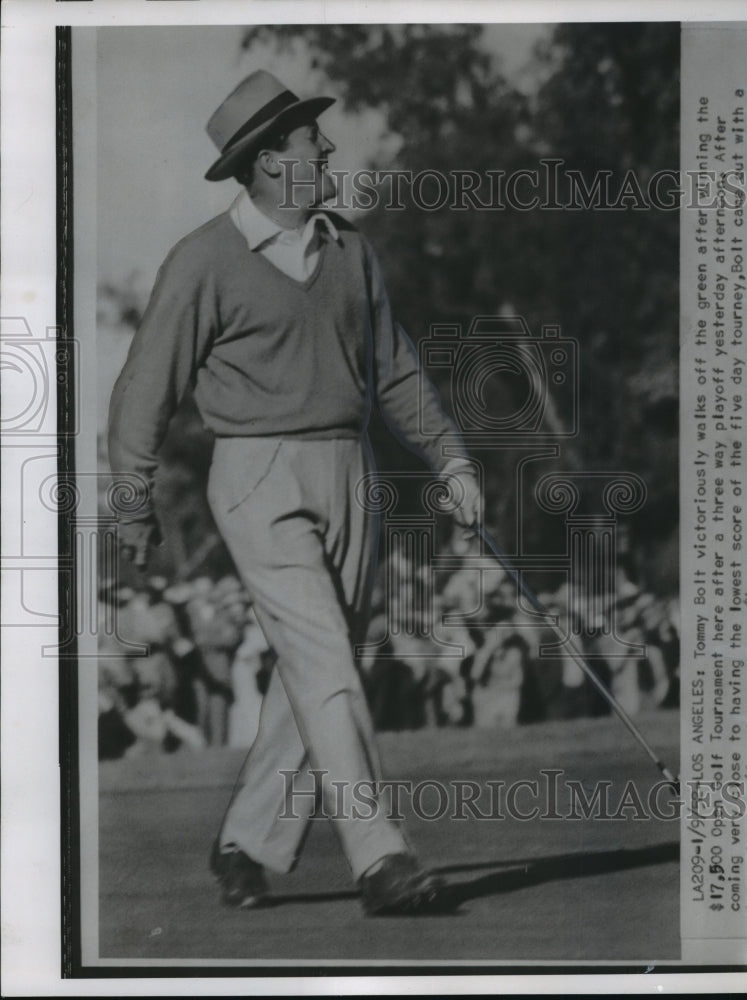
{"type": "Point", "coordinates": [578, 657]}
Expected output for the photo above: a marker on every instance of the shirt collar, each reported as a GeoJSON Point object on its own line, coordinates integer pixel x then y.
{"type": "Point", "coordinates": [258, 228]}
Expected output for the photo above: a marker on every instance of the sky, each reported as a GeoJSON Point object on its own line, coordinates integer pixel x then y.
{"type": "Point", "coordinates": [156, 88]}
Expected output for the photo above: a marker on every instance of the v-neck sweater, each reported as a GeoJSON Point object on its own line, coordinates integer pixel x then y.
{"type": "Point", "coordinates": [266, 355]}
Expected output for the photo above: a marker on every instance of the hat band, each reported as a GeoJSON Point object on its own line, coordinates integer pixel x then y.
{"type": "Point", "coordinates": [269, 111]}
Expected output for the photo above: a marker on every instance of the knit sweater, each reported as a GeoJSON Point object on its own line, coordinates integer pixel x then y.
{"type": "Point", "coordinates": [267, 355]}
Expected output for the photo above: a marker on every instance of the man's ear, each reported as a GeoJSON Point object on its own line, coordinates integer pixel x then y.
{"type": "Point", "coordinates": [267, 160]}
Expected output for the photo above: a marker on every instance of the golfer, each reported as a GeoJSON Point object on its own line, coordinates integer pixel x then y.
{"type": "Point", "coordinates": [275, 315]}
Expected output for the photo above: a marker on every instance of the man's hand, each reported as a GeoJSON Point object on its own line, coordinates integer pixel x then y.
{"type": "Point", "coordinates": [136, 539]}
{"type": "Point", "coordinates": [467, 490]}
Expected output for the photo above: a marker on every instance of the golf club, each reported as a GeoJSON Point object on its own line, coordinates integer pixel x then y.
{"type": "Point", "coordinates": [578, 658]}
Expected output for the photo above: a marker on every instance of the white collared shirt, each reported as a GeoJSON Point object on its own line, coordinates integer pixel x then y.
{"type": "Point", "coordinates": [295, 252]}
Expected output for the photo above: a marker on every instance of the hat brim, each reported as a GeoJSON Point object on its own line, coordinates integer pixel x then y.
{"type": "Point", "coordinates": [226, 164]}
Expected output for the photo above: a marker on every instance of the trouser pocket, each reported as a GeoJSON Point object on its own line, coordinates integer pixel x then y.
{"type": "Point", "coordinates": [239, 467]}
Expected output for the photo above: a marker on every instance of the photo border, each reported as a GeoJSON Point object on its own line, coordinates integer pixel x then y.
{"type": "Point", "coordinates": [71, 967]}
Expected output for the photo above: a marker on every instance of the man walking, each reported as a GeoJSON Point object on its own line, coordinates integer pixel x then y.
{"type": "Point", "coordinates": [276, 315]}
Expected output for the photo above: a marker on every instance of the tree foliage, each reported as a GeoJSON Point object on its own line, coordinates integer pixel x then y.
{"type": "Point", "coordinates": [609, 102]}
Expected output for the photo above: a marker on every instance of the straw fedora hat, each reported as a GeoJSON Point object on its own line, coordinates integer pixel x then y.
{"type": "Point", "coordinates": [257, 105]}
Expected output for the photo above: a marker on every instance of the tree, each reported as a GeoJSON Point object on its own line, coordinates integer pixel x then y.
{"type": "Point", "coordinates": [609, 102]}
{"type": "Point", "coordinates": [612, 104]}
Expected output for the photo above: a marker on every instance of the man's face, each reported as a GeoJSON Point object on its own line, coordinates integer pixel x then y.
{"type": "Point", "coordinates": [307, 149]}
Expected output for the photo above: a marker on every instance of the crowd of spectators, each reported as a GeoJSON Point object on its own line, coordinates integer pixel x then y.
{"type": "Point", "coordinates": [184, 663]}
{"type": "Point", "coordinates": [455, 648]}
{"type": "Point", "coordinates": [465, 648]}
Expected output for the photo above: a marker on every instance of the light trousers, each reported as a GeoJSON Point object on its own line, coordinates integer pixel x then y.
{"type": "Point", "coordinates": [305, 549]}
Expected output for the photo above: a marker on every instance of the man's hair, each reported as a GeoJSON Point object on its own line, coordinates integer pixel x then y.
{"type": "Point", "coordinates": [276, 140]}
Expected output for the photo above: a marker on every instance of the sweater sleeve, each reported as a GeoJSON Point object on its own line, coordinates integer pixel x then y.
{"type": "Point", "coordinates": [169, 346]}
{"type": "Point", "coordinates": [407, 399]}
